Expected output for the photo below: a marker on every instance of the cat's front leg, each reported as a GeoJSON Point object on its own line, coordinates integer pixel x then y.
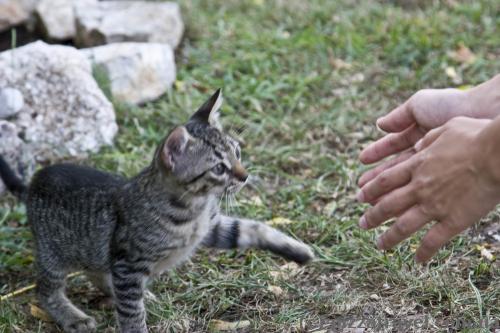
{"type": "Point", "coordinates": [232, 232]}
{"type": "Point", "coordinates": [128, 289]}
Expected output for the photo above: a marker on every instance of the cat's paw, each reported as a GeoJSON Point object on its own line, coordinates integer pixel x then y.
{"type": "Point", "coordinates": [81, 325]}
{"type": "Point", "coordinates": [294, 250]}
{"type": "Point", "coordinates": [302, 254]}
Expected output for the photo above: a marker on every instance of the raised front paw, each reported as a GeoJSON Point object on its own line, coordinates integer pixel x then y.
{"type": "Point", "coordinates": [81, 325]}
{"type": "Point", "coordinates": [301, 253]}
{"type": "Point", "coordinates": [292, 249]}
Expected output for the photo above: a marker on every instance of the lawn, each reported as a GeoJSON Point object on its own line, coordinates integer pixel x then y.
{"type": "Point", "coordinates": [303, 82]}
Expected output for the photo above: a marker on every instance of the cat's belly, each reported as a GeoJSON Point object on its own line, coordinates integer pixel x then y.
{"type": "Point", "coordinates": [197, 230]}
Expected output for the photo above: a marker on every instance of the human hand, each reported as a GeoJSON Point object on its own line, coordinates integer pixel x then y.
{"type": "Point", "coordinates": [447, 180]}
{"type": "Point", "coordinates": [408, 123]}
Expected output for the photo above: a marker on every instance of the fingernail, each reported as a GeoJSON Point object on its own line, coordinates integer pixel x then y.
{"type": "Point", "coordinates": [362, 223]}
{"type": "Point", "coordinates": [360, 196]}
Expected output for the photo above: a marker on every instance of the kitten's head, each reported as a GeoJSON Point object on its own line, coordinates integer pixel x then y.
{"type": "Point", "coordinates": [201, 157]}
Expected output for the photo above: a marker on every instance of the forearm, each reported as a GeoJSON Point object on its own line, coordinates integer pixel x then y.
{"type": "Point", "coordinates": [484, 99]}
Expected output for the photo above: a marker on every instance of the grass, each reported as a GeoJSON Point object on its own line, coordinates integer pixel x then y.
{"type": "Point", "coordinates": [306, 116]}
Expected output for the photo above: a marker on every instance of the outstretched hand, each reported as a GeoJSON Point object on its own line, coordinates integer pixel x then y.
{"type": "Point", "coordinates": [408, 123]}
{"type": "Point", "coordinates": [444, 179]}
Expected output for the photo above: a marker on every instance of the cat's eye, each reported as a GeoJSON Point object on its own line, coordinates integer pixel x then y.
{"type": "Point", "coordinates": [219, 169]}
{"type": "Point", "coordinates": [238, 153]}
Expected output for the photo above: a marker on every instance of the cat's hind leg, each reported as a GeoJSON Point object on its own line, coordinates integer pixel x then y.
{"type": "Point", "coordinates": [52, 298]}
{"type": "Point", "coordinates": [231, 232]}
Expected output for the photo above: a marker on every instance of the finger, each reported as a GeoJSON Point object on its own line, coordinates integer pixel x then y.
{"type": "Point", "coordinates": [370, 174]}
{"type": "Point", "coordinates": [406, 225]}
{"type": "Point", "coordinates": [386, 181]}
{"type": "Point", "coordinates": [433, 240]}
{"type": "Point", "coordinates": [397, 120]}
{"type": "Point", "coordinates": [429, 138]}
{"type": "Point", "coordinates": [388, 207]}
{"type": "Point", "coordinates": [391, 144]}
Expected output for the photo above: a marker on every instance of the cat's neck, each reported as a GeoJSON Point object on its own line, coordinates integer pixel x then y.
{"type": "Point", "coordinates": [155, 185]}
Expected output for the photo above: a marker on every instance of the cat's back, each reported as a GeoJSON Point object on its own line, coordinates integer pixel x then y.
{"type": "Point", "coordinates": [72, 177]}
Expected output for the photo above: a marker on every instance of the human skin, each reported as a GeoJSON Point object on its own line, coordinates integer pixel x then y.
{"type": "Point", "coordinates": [451, 175]}
{"type": "Point", "coordinates": [425, 110]}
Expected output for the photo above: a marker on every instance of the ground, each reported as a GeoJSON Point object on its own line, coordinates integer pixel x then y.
{"type": "Point", "coordinates": [305, 80]}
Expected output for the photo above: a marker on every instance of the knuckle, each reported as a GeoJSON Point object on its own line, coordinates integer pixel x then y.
{"type": "Point", "coordinates": [384, 210]}
{"type": "Point", "coordinates": [428, 242]}
{"type": "Point", "coordinates": [419, 184]}
{"type": "Point", "coordinates": [383, 179]}
{"type": "Point", "coordinates": [400, 229]}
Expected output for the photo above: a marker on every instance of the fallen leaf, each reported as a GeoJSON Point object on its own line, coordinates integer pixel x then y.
{"type": "Point", "coordinates": [180, 86]}
{"type": "Point", "coordinates": [330, 208]}
{"type": "Point", "coordinates": [275, 290]}
{"type": "Point", "coordinates": [451, 72]}
{"type": "Point", "coordinates": [389, 311]}
{"type": "Point", "coordinates": [216, 325]}
{"type": "Point", "coordinates": [487, 254]}
{"type": "Point", "coordinates": [279, 221]}
{"type": "Point", "coordinates": [453, 75]}
{"type": "Point", "coordinates": [286, 271]}
{"type": "Point", "coordinates": [374, 297]}
{"type": "Point", "coordinates": [39, 313]}
{"type": "Point", "coordinates": [485, 251]}
{"type": "Point", "coordinates": [463, 55]}
{"type": "Point", "coordinates": [256, 201]}
{"type": "Point", "coordinates": [339, 63]}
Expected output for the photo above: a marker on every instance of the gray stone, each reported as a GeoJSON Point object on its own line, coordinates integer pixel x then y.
{"type": "Point", "coordinates": [11, 101]}
{"type": "Point", "coordinates": [64, 113]}
{"type": "Point", "coordinates": [138, 72]}
{"type": "Point", "coordinates": [14, 12]}
{"type": "Point", "coordinates": [57, 19]}
{"type": "Point", "coordinates": [128, 21]}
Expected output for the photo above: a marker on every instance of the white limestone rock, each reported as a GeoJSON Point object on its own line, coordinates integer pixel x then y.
{"type": "Point", "coordinates": [14, 12]}
{"type": "Point", "coordinates": [65, 113]}
{"type": "Point", "coordinates": [57, 19]}
{"type": "Point", "coordinates": [11, 102]}
{"type": "Point", "coordinates": [128, 21]}
{"type": "Point", "coordinates": [138, 72]}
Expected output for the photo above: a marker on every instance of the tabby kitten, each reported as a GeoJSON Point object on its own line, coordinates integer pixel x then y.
{"type": "Point", "coordinates": [122, 232]}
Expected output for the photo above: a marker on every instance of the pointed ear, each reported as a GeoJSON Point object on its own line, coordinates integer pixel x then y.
{"type": "Point", "coordinates": [209, 111]}
{"type": "Point", "coordinates": [174, 146]}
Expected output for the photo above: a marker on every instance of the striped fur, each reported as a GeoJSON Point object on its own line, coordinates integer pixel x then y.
{"type": "Point", "coordinates": [123, 232]}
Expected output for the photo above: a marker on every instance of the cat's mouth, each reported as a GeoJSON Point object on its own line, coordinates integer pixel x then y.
{"type": "Point", "coordinates": [234, 188]}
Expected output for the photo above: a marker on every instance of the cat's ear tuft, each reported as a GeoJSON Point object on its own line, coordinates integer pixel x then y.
{"type": "Point", "coordinates": [209, 111]}
{"type": "Point", "coordinates": [174, 146]}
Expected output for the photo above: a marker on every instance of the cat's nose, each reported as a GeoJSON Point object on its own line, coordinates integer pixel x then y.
{"type": "Point", "coordinates": [239, 172]}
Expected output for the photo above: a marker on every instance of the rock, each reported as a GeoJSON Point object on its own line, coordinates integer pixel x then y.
{"type": "Point", "coordinates": [14, 12]}
{"type": "Point", "coordinates": [64, 113]}
{"type": "Point", "coordinates": [138, 72]}
{"type": "Point", "coordinates": [11, 101]}
{"type": "Point", "coordinates": [128, 21]}
{"type": "Point", "coordinates": [56, 17]}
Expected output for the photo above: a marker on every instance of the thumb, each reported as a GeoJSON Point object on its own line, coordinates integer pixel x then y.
{"type": "Point", "coordinates": [397, 120]}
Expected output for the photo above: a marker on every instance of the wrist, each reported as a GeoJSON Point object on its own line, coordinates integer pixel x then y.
{"type": "Point", "coordinates": [488, 154]}
{"type": "Point", "coordinates": [483, 101]}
